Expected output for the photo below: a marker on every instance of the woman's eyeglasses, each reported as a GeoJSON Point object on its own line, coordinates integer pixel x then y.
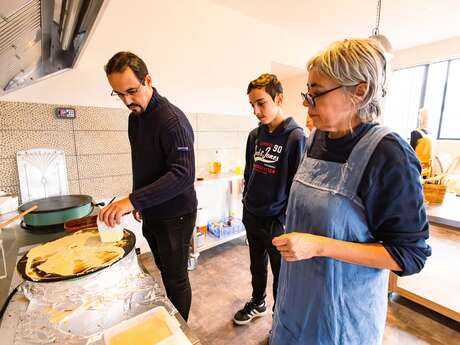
{"type": "Point", "coordinates": [310, 99]}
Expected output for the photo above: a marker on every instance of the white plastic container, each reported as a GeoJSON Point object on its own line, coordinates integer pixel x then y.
{"type": "Point", "coordinates": [177, 337]}
{"type": "Point", "coordinates": [109, 234]}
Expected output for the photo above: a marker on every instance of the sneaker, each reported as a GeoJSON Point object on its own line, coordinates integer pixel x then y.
{"type": "Point", "coordinates": [249, 312]}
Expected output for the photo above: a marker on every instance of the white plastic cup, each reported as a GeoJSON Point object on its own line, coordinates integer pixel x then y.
{"type": "Point", "coordinates": [110, 234]}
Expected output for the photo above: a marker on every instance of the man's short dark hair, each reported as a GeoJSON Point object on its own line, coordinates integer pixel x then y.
{"type": "Point", "coordinates": [269, 82]}
{"type": "Point", "coordinates": [121, 60]}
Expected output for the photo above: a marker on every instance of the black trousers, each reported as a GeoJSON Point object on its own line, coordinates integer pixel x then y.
{"type": "Point", "coordinates": [260, 232]}
{"type": "Point", "coordinates": [169, 240]}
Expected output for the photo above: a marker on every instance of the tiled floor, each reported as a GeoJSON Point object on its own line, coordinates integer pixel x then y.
{"type": "Point", "coordinates": [221, 284]}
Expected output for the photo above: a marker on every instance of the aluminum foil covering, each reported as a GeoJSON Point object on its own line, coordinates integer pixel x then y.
{"type": "Point", "coordinates": [77, 311]}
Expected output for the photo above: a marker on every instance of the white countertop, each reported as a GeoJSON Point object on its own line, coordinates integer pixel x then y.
{"type": "Point", "coordinates": [447, 213]}
{"type": "Point", "coordinates": [208, 178]}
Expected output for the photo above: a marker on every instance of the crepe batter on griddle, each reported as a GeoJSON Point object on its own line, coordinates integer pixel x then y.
{"type": "Point", "coordinates": [72, 255]}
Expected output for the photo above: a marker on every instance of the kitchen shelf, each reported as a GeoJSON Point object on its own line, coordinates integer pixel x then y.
{"type": "Point", "coordinates": [209, 242]}
{"type": "Point", "coordinates": [212, 241]}
{"type": "Point", "coordinates": [210, 178]}
{"type": "Point", "coordinates": [232, 198]}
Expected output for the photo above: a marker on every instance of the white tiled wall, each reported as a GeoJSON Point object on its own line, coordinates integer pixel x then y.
{"type": "Point", "coordinates": [96, 144]}
{"type": "Point", "coordinates": [226, 134]}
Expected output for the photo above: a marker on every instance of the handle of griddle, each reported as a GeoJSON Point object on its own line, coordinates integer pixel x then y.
{"type": "Point", "coordinates": [98, 204]}
{"type": "Point", "coordinates": [103, 203]}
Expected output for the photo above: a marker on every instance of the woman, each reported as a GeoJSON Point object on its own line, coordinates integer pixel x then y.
{"type": "Point", "coordinates": [421, 142]}
{"type": "Point", "coordinates": [421, 130]}
{"type": "Point", "coordinates": [355, 210]}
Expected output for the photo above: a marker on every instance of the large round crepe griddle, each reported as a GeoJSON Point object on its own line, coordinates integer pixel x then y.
{"type": "Point", "coordinates": [57, 209]}
{"type": "Point", "coordinates": [57, 203]}
{"type": "Point", "coordinates": [128, 237]}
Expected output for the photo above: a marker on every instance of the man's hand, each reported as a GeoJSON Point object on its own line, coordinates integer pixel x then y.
{"type": "Point", "coordinates": [296, 246]}
{"type": "Point", "coordinates": [137, 215]}
{"type": "Point", "coordinates": [112, 213]}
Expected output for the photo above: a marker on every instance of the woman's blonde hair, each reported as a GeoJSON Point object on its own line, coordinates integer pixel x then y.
{"type": "Point", "coordinates": [354, 61]}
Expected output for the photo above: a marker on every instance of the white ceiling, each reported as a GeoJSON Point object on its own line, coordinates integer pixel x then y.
{"type": "Point", "coordinates": [406, 23]}
{"type": "Point", "coordinates": [202, 53]}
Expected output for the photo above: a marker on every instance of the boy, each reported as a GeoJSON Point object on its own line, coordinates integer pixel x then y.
{"type": "Point", "coordinates": [273, 152]}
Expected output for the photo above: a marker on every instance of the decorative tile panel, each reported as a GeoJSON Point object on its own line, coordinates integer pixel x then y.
{"type": "Point", "coordinates": [104, 165]}
{"type": "Point", "coordinates": [18, 140]}
{"type": "Point", "coordinates": [107, 187]}
{"type": "Point", "coordinates": [99, 142]}
{"type": "Point", "coordinates": [101, 119]}
{"type": "Point", "coordinates": [8, 172]}
{"type": "Point", "coordinates": [31, 116]}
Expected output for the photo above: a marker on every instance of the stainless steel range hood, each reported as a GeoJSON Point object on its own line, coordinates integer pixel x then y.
{"type": "Point", "coordinates": [41, 37]}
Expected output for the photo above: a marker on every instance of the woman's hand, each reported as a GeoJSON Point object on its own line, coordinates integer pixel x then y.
{"type": "Point", "coordinates": [296, 246]}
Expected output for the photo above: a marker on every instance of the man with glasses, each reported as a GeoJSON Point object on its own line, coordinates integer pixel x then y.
{"type": "Point", "coordinates": [163, 165]}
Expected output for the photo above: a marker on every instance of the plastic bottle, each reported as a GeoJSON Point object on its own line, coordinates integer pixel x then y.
{"type": "Point", "coordinates": [202, 221]}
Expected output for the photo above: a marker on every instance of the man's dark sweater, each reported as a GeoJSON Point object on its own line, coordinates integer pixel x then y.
{"type": "Point", "coordinates": [163, 160]}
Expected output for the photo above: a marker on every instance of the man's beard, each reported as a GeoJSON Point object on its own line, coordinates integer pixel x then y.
{"type": "Point", "coordinates": [135, 108]}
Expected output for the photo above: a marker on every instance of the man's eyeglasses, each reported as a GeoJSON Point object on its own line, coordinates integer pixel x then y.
{"type": "Point", "coordinates": [310, 99]}
{"type": "Point", "coordinates": [129, 92]}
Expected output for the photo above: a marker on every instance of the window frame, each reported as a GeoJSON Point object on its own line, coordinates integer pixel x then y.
{"type": "Point", "coordinates": [424, 88]}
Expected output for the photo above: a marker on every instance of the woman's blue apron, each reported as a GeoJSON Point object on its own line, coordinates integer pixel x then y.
{"type": "Point", "coordinates": [322, 301]}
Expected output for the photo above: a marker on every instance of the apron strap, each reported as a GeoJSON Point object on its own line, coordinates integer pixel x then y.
{"type": "Point", "coordinates": [360, 156]}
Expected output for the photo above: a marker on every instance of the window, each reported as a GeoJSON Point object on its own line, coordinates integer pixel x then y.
{"type": "Point", "coordinates": [434, 94]}
{"type": "Point", "coordinates": [403, 99]}
{"type": "Point", "coordinates": [450, 121]}
{"type": "Point", "coordinates": [435, 87]}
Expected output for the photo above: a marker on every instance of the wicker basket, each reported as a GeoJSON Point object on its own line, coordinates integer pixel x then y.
{"type": "Point", "coordinates": [434, 193]}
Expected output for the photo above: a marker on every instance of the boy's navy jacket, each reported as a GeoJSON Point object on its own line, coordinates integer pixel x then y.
{"type": "Point", "coordinates": [271, 163]}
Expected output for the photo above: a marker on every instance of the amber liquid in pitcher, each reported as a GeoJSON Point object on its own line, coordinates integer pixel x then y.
{"type": "Point", "coordinates": [216, 167]}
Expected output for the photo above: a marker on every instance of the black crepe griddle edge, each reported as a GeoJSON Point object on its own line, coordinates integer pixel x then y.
{"type": "Point", "coordinates": [21, 265]}
{"type": "Point", "coordinates": [42, 229]}
{"type": "Point", "coordinates": [85, 199]}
